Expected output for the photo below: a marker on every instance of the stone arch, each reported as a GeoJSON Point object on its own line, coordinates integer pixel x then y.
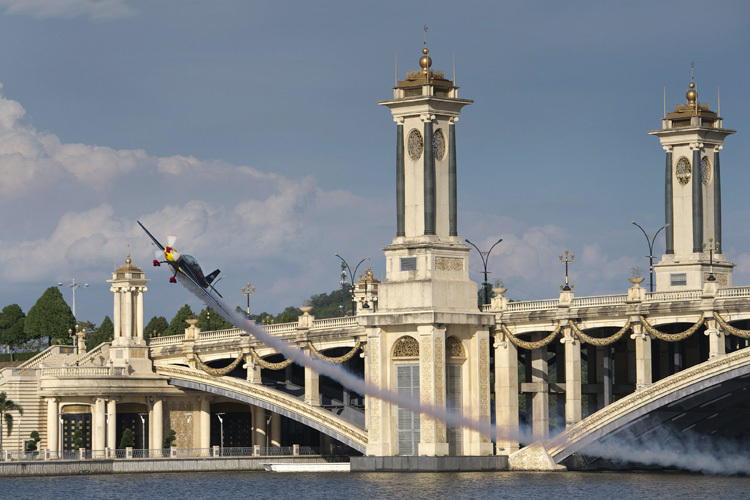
{"type": "Point", "coordinates": [405, 347]}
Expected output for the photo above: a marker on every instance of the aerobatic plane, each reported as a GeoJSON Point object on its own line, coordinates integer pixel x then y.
{"type": "Point", "coordinates": [182, 265]}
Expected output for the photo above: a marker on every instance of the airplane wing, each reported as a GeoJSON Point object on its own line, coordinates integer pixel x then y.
{"type": "Point", "coordinates": [156, 242]}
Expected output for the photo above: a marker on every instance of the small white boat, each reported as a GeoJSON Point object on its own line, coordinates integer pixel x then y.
{"type": "Point", "coordinates": [309, 467]}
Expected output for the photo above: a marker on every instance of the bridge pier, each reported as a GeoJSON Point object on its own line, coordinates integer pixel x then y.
{"type": "Point", "coordinates": [572, 377]}
{"type": "Point", "coordinates": [506, 397]}
{"type": "Point", "coordinates": [643, 376]}
{"type": "Point", "coordinates": [540, 392]}
{"type": "Point", "coordinates": [716, 341]}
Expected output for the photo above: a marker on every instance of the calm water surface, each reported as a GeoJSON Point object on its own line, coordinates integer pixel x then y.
{"type": "Point", "coordinates": [370, 486]}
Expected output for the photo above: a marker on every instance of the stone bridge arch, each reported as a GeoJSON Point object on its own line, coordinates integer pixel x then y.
{"type": "Point", "coordinates": [269, 399]}
{"type": "Point", "coordinates": [694, 388]}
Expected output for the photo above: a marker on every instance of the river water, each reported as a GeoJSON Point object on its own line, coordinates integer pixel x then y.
{"type": "Point", "coordinates": [375, 486]}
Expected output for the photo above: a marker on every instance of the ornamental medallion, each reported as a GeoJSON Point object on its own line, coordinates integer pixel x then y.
{"type": "Point", "coordinates": [684, 169]}
{"type": "Point", "coordinates": [706, 170]}
{"type": "Point", "coordinates": [438, 144]}
{"type": "Point", "coordinates": [415, 144]}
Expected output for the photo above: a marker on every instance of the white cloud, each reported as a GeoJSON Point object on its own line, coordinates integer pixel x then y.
{"type": "Point", "coordinates": [96, 10]}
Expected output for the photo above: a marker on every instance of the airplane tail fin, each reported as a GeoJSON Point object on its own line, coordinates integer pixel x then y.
{"type": "Point", "coordinates": [211, 277]}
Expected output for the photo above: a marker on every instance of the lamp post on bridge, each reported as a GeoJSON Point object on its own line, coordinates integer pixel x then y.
{"type": "Point", "coordinates": [650, 241]}
{"type": "Point", "coordinates": [247, 292]}
{"type": "Point", "coordinates": [485, 259]}
{"type": "Point", "coordinates": [221, 435]}
{"type": "Point", "coordinates": [73, 285]}
{"type": "Point", "coordinates": [352, 274]}
{"type": "Point", "coordinates": [567, 261]}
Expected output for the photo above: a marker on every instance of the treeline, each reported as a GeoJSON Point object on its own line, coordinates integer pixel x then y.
{"type": "Point", "coordinates": [50, 321]}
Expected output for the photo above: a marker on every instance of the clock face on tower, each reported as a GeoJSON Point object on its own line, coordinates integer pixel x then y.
{"type": "Point", "coordinates": [683, 170]}
{"type": "Point", "coordinates": [706, 170]}
{"type": "Point", "coordinates": [415, 144]}
{"type": "Point", "coordinates": [438, 144]}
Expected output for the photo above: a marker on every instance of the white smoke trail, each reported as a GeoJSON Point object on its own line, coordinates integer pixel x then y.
{"type": "Point", "coordinates": [672, 448]}
{"type": "Point", "coordinates": [336, 372]}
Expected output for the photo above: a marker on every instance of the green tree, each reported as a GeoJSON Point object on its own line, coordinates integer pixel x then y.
{"type": "Point", "coordinates": [289, 315]}
{"type": "Point", "coordinates": [127, 441]}
{"type": "Point", "coordinates": [158, 325]}
{"type": "Point", "coordinates": [50, 317]}
{"type": "Point", "coordinates": [105, 333]}
{"type": "Point", "coordinates": [217, 321]}
{"type": "Point", "coordinates": [328, 305]}
{"type": "Point", "coordinates": [77, 440]}
{"type": "Point", "coordinates": [31, 444]}
{"type": "Point", "coordinates": [12, 321]}
{"type": "Point", "coordinates": [6, 407]}
{"type": "Point", "coordinates": [177, 325]}
{"type": "Point", "coordinates": [169, 439]}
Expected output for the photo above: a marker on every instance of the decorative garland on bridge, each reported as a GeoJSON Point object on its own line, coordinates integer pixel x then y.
{"type": "Point", "coordinates": [269, 366]}
{"type": "Point", "coordinates": [337, 360]}
{"type": "Point", "coordinates": [600, 342]}
{"type": "Point", "coordinates": [219, 372]}
{"type": "Point", "coordinates": [530, 345]}
{"type": "Point", "coordinates": [672, 337]}
{"type": "Point", "coordinates": [737, 332]}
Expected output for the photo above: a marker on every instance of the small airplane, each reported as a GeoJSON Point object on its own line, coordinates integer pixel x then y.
{"type": "Point", "coordinates": [183, 264]}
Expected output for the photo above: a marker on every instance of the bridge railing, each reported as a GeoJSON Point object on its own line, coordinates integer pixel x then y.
{"type": "Point", "coordinates": [166, 453]}
{"type": "Point", "coordinates": [674, 296]}
{"type": "Point", "coordinates": [533, 305]}
{"type": "Point", "coordinates": [84, 371]}
{"type": "Point", "coordinates": [738, 291]}
{"type": "Point", "coordinates": [599, 300]}
{"type": "Point", "coordinates": [340, 322]}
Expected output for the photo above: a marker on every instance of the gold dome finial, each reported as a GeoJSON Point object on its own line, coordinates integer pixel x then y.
{"type": "Point", "coordinates": [692, 94]}
{"type": "Point", "coordinates": [425, 61]}
{"type": "Point", "coordinates": [127, 258]}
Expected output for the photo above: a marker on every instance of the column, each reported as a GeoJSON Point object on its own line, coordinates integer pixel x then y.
{"type": "Point", "coordinates": [433, 440]}
{"type": "Point", "coordinates": [430, 200]}
{"type": "Point", "coordinates": [643, 376]}
{"type": "Point", "coordinates": [717, 201]}
{"type": "Point", "coordinates": [452, 179]}
{"type": "Point", "coordinates": [99, 431]}
{"type": "Point", "coordinates": [572, 378]}
{"type": "Point", "coordinates": [697, 181]}
{"type": "Point", "coordinates": [716, 343]}
{"type": "Point", "coordinates": [275, 429]}
{"type": "Point", "coordinates": [156, 419]}
{"type": "Point", "coordinates": [139, 314]}
{"type": "Point", "coordinates": [312, 387]}
{"type": "Point", "coordinates": [52, 427]}
{"type": "Point", "coordinates": [668, 204]}
{"type": "Point", "coordinates": [540, 397]}
{"type": "Point", "coordinates": [506, 397]}
{"type": "Point", "coordinates": [378, 411]}
{"type": "Point", "coordinates": [476, 393]}
{"type": "Point", "coordinates": [400, 179]}
{"type": "Point", "coordinates": [128, 314]}
{"type": "Point", "coordinates": [252, 370]}
{"type": "Point", "coordinates": [111, 421]}
{"type": "Point", "coordinates": [116, 314]}
{"type": "Point", "coordinates": [204, 416]}
{"type": "Point", "coordinates": [259, 426]}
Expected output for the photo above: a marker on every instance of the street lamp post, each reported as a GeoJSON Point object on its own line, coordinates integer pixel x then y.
{"type": "Point", "coordinates": [221, 434]}
{"type": "Point", "coordinates": [352, 275]}
{"type": "Point", "coordinates": [485, 259]}
{"type": "Point", "coordinates": [143, 432]}
{"type": "Point", "coordinates": [189, 417]}
{"type": "Point", "coordinates": [342, 281]}
{"type": "Point", "coordinates": [712, 247]}
{"type": "Point", "coordinates": [650, 241]}
{"type": "Point", "coordinates": [73, 285]}
{"type": "Point", "coordinates": [567, 261]}
{"type": "Point", "coordinates": [247, 291]}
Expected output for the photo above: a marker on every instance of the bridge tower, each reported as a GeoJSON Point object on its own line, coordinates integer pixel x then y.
{"type": "Point", "coordinates": [129, 348]}
{"type": "Point", "coordinates": [692, 136]}
{"type": "Point", "coordinates": [427, 340]}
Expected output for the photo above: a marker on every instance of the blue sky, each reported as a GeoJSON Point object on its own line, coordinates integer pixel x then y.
{"type": "Point", "coordinates": [252, 131]}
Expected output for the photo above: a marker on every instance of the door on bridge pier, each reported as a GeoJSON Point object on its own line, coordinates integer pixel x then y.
{"type": "Point", "coordinates": [407, 377]}
{"type": "Point", "coordinates": [76, 418]}
{"type": "Point", "coordinates": [238, 428]}
{"type": "Point", "coordinates": [133, 416]}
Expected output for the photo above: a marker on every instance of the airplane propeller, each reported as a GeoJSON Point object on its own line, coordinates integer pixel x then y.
{"type": "Point", "coordinates": [171, 239]}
